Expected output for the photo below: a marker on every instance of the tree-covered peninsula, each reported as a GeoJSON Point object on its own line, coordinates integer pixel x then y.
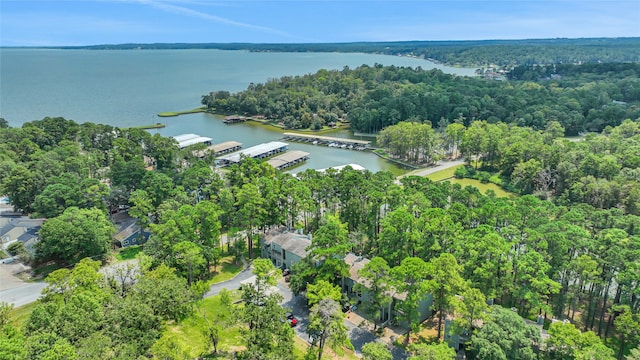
{"type": "Point", "coordinates": [582, 98]}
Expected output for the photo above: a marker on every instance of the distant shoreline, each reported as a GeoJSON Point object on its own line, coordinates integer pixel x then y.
{"type": "Point", "coordinates": [148, 127]}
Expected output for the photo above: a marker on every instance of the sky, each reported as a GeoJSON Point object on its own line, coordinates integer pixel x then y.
{"type": "Point", "coordinates": [97, 22]}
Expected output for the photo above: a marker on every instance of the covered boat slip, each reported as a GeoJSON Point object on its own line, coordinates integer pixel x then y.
{"type": "Point", "coordinates": [288, 159]}
{"type": "Point", "coordinates": [234, 119]}
{"type": "Point", "coordinates": [219, 149]}
{"type": "Point", "coordinates": [257, 152]}
{"type": "Point", "coordinates": [327, 140]}
{"type": "Point", "coordinates": [185, 140]}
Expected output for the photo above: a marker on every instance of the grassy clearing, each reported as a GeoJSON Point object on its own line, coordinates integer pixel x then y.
{"type": "Point", "coordinates": [443, 174]}
{"type": "Point", "coordinates": [19, 316]}
{"type": "Point", "coordinates": [500, 192]}
{"type": "Point", "coordinates": [189, 334]}
{"type": "Point", "coordinates": [325, 130]}
{"type": "Point", "coordinates": [447, 174]}
{"type": "Point", "coordinates": [226, 270]}
{"type": "Point", "coordinates": [300, 348]}
{"type": "Point", "coordinates": [176, 113]}
{"type": "Point", "coordinates": [148, 127]}
{"type": "Point", "coordinates": [128, 253]}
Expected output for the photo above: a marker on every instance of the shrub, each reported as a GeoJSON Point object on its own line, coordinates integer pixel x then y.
{"type": "Point", "coordinates": [460, 172]}
{"type": "Point", "coordinates": [484, 177]}
{"type": "Point", "coordinates": [16, 248]}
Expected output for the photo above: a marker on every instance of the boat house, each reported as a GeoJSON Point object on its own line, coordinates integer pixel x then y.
{"type": "Point", "coordinates": [257, 152]}
{"type": "Point", "coordinates": [185, 140]}
{"type": "Point", "coordinates": [288, 159]}
{"type": "Point", "coordinates": [218, 149]}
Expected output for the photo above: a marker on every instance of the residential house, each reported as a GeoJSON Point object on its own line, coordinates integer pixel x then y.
{"type": "Point", "coordinates": [389, 314]}
{"type": "Point", "coordinates": [284, 249]}
{"type": "Point", "coordinates": [127, 230]}
{"type": "Point", "coordinates": [19, 228]}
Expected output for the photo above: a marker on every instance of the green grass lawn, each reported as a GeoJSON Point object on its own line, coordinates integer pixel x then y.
{"type": "Point", "coordinates": [226, 270]}
{"type": "Point", "coordinates": [443, 174]}
{"type": "Point", "coordinates": [189, 335]}
{"type": "Point", "coordinates": [300, 348]}
{"type": "Point", "coordinates": [19, 316]}
{"type": "Point", "coordinates": [128, 253]}
{"type": "Point", "coordinates": [448, 174]}
{"type": "Point", "coordinates": [500, 192]}
{"type": "Point", "coordinates": [176, 113]}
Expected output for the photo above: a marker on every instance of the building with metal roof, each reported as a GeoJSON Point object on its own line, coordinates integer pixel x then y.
{"type": "Point", "coordinates": [257, 152]}
{"type": "Point", "coordinates": [185, 140]}
{"type": "Point", "coordinates": [288, 159]}
{"type": "Point", "coordinates": [219, 149]}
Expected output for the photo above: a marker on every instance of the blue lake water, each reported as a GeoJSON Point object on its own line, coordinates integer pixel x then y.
{"type": "Point", "coordinates": [129, 87]}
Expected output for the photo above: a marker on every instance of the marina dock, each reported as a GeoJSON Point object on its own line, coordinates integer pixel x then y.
{"type": "Point", "coordinates": [233, 119]}
{"type": "Point", "coordinates": [257, 152]}
{"type": "Point", "coordinates": [327, 140]}
{"type": "Point", "coordinates": [219, 149]}
{"type": "Point", "coordinates": [185, 140]}
{"type": "Point", "coordinates": [288, 159]}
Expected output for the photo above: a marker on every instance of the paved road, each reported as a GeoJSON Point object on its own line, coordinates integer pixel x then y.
{"type": "Point", "coordinates": [232, 284]}
{"type": "Point", "coordinates": [298, 306]}
{"type": "Point", "coordinates": [23, 294]}
{"type": "Point", "coordinates": [14, 290]}
{"type": "Point", "coordinates": [18, 292]}
{"type": "Point", "coordinates": [441, 165]}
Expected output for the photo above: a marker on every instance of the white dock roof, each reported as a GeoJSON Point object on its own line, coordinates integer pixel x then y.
{"type": "Point", "coordinates": [193, 141]}
{"type": "Point", "coordinates": [339, 168]}
{"type": "Point", "coordinates": [184, 137]}
{"type": "Point", "coordinates": [253, 151]}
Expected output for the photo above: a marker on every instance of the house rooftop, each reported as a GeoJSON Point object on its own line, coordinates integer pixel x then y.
{"type": "Point", "coordinates": [356, 263]}
{"type": "Point", "coordinates": [20, 228]}
{"type": "Point", "coordinates": [294, 243]}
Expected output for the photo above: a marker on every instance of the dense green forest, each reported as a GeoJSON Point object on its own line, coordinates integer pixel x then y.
{"type": "Point", "coordinates": [464, 53]}
{"type": "Point", "coordinates": [601, 170]}
{"type": "Point", "coordinates": [568, 257]}
{"type": "Point", "coordinates": [580, 97]}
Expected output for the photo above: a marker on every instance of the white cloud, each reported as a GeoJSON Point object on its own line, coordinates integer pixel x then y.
{"type": "Point", "coordinates": [171, 7]}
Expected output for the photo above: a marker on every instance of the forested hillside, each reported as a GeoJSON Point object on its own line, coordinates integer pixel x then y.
{"type": "Point", "coordinates": [570, 259]}
{"type": "Point", "coordinates": [580, 97]}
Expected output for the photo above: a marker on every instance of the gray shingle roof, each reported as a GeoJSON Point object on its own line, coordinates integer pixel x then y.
{"type": "Point", "coordinates": [293, 243]}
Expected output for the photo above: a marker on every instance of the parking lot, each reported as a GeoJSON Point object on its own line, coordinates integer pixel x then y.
{"type": "Point", "coordinates": [358, 335]}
